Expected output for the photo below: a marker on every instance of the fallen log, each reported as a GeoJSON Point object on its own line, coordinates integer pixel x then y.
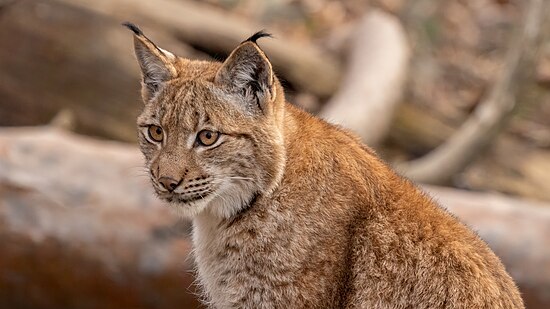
{"type": "Point", "coordinates": [60, 57]}
{"type": "Point", "coordinates": [80, 227]}
{"type": "Point", "coordinates": [307, 66]}
{"type": "Point", "coordinates": [46, 69]}
{"type": "Point", "coordinates": [75, 209]}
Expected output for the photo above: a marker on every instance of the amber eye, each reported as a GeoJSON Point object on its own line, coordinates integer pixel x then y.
{"type": "Point", "coordinates": [155, 133]}
{"type": "Point", "coordinates": [207, 138]}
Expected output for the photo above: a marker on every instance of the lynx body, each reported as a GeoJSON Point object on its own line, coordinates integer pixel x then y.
{"type": "Point", "coordinates": [289, 211]}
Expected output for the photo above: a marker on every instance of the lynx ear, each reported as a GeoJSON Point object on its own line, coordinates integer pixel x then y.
{"type": "Point", "coordinates": [248, 72]}
{"type": "Point", "coordinates": [157, 65]}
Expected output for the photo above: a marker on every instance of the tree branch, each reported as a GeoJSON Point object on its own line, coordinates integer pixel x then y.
{"type": "Point", "coordinates": [377, 67]}
{"type": "Point", "coordinates": [493, 113]}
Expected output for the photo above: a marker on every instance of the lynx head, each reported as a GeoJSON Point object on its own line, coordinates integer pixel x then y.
{"type": "Point", "coordinates": [211, 132]}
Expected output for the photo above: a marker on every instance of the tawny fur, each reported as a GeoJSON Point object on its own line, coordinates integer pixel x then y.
{"type": "Point", "coordinates": [293, 212]}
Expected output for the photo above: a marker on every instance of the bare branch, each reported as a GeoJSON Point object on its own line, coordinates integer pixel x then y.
{"type": "Point", "coordinates": [376, 71]}
{"type": "Point", "coordinates": [493, 112]}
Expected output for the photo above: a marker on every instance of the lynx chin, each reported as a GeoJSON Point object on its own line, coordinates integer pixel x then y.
{"type": "Point", "coordinates": [290, 211]}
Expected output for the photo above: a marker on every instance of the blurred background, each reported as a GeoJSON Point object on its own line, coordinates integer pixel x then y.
{"type": "Point", "coordinates": [454, 94]}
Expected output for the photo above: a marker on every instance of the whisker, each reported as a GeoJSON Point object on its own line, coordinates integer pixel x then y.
{"type": "Point", "coordinates": [131, 168]}
{"type": "Point", "coordinates": [216, 194]}
{"type": "Point", "coordinates": [239, 178]}
{"type": "Point", "coordinates": [141, 175]}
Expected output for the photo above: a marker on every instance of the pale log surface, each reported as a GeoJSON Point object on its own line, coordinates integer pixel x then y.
{"type": "Point", "coordinates": [80, 227]}
{"type": "Point", "coordinates": [517, 230]}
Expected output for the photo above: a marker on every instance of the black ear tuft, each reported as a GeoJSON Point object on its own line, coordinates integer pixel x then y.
{"type": "Point", "coordinates": [258, 35]}
{"type": "Point", "coordinates": [248, 73]}
{"type": "Point", "coordinates": [157, 65]}
{"type": "Point", "coordinates": [133, 27]}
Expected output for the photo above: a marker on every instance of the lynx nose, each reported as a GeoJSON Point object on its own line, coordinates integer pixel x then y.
{"type": "Point", "coordinates": [169, 183]}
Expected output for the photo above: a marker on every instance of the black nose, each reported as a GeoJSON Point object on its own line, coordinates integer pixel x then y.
{"type": "Point", "coordinates": [169, 183]}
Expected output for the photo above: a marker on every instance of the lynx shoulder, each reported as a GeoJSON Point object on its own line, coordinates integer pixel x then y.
{"type": "Point", "coordinates": [289, 211]}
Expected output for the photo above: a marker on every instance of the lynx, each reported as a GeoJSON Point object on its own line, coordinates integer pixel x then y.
{"type": "Point", "coordinates": [290, 211]}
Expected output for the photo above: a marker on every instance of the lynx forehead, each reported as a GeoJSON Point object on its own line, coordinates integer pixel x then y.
{"type": "Point", "coordinates": [289, 211]}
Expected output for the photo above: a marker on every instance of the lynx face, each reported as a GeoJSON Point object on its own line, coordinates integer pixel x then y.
{"type": "Point", "coordinates": [210, 132]}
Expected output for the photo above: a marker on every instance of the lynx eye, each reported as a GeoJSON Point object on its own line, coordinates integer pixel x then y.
{"type": "Point", "coordinates": [207, 137]}
{"type": "Point", "coordinates": [155, 133]}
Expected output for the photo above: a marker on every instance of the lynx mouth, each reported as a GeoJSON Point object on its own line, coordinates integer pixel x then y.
{"type": "Point", "coordinates": [193, 191]}
{"type": "Point", "coordinates": [184, 198]}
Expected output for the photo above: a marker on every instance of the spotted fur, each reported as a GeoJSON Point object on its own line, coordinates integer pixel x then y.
{"type": "Point", "coordinates": [291, 212]}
